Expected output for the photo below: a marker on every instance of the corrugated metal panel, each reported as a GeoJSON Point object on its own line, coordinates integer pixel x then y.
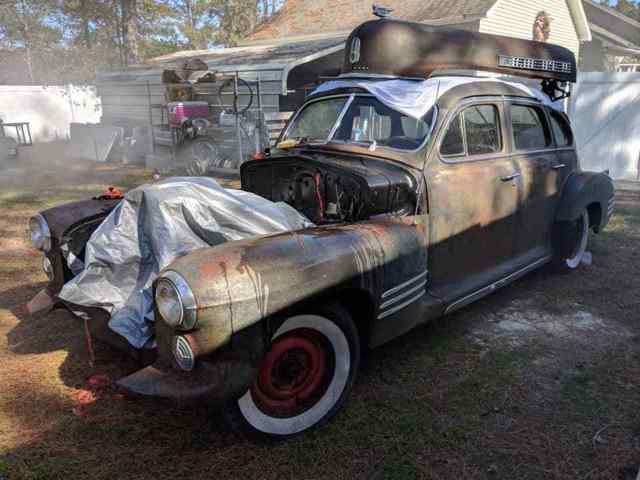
{"type": "Point", "coordinates": [515, 18]}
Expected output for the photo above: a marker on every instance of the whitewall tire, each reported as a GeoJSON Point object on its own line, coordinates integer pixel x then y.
{"type": "Point", "coordinates": [304, 377]}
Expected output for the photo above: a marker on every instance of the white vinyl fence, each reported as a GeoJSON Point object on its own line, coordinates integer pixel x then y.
{"type": "Point", "coordinates": [605, 113]}
{"type": "Point", "coordinates": [49, 109]}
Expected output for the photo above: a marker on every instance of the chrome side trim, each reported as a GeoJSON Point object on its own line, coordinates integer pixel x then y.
{"type": "Point", "coordinates": [397, 298]}
{"type": "Point", "coordinates": [464, 301]}
{"type": "Point", "coordinates": [403, 285]}
{"type": "Point", "coordinates": [397, 308]}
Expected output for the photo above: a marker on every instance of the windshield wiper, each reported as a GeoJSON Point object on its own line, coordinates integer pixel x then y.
{"type": "Point", "coordinates": [373, 144]}
{"type": "Point", "coordinates": [301, 141]}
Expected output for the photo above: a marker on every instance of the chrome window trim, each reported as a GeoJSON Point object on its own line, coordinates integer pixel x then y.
{"type": "Point", "coordinates": [550, 114]}
{"type": "Point", "coordinates": [516, 151]}
{"type": "Point", "coordinates": [292, 120]}
{"type": "Point", "coordinates": [475, 101]}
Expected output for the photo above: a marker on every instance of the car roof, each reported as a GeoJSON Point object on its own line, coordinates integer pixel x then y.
{"type": "Point", "coordinates": [481, 89]}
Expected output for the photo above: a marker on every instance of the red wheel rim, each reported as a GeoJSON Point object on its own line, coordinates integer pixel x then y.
{"type": "Point", "coordinates": [293, 374]}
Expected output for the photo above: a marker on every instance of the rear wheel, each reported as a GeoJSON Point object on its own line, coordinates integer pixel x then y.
{"type": "Point", "coordinates": [304, 378]}
{"type": "Point", "coordinates": [570, 241]}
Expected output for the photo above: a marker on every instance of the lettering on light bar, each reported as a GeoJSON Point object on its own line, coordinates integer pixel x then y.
{"type": "Point", "coordinates": [539, 64]}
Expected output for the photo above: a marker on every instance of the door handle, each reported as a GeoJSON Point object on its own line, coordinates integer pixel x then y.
{"type": "Point", "coordinates": [508, 178]}
{"type": "Point", "coordinates": [559, 166]}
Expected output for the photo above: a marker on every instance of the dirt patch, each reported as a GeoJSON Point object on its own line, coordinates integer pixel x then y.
{"type": "Point", "coordinates": [523, 322]}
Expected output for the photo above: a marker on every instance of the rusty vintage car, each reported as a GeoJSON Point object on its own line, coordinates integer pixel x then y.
{"type": "Point", "coordinates": [416, 215]}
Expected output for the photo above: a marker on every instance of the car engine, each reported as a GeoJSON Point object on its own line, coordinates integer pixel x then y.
{"type": "Point", "coordinates": [330, 189]}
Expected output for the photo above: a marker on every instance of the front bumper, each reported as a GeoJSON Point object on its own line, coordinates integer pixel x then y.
{"type": "Point", "coordinates": [214, 381]}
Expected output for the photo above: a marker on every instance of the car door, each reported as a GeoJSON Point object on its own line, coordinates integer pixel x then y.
{"type": "Point", "coordinates": [566, 160]}
{"type": "Point", "coordinates": [535, 154]}
{"type": "Point", "coordinates": [473, 188]}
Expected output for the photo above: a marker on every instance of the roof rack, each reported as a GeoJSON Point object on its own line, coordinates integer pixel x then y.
{"type": "Point", "coordinates": [395, 48]}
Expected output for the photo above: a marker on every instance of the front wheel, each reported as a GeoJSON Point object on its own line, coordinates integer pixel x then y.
{"type": "Point", "coordinates": [304, 377]}
{"type": "Point", "coordinates": [570, 241]}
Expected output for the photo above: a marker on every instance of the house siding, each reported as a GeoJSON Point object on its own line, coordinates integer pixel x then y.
{"type": "Point", "coordinates": [514, 18]}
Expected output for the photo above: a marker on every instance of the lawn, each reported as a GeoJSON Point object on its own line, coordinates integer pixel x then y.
{"type": "Point", "coordinates": [539, 381]}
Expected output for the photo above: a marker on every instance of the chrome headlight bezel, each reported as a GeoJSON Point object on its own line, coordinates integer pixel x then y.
{"type": "Point", "coordinates": [39, 233]}
{"type": "Point", "coordinates": [184, 296]}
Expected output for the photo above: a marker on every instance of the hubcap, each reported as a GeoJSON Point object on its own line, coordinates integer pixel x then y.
{"type": "Point", "coordinates": [293, 374]}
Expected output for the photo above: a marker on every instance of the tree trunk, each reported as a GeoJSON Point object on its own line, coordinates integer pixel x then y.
{"type": "Point", "coordinates": [130, 31]}
{"type": "Point", "coordinates": [84, 13]}
{"type": "Point", "coordinates": [118, 30]}
{"type": "Point", "coordinates": [26, 37]}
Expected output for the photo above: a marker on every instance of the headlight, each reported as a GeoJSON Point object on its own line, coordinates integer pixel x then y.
{"type": "Point", "coordinates": [183, 353]}
{"type": "Point", "coordinates": [39, 232]}
{"type": "Point", "coordinates": [175, 301]}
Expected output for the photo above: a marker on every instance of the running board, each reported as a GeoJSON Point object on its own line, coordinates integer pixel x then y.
{"type": "Point", "coordinates": [483, 292]}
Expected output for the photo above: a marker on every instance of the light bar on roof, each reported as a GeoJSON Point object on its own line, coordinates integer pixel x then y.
{"type": "Point", "coordinates": [539, 64]}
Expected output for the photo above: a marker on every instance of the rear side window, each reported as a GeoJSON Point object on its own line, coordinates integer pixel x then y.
{"type": "Point", "coordinates": [530, 131]}
{"type": "Point", "coordinates": [561, 130]}
{"type": "Point", "coordinates": [474, 131]}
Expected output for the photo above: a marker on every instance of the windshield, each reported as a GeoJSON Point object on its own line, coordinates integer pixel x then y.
{"type": "Point", "coordinates": [358, 119]}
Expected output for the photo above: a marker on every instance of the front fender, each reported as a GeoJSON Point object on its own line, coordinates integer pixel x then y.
{"type": "Point", "coordinates": [238, 284]}
{"type": "Point", "coordinates": [71, 224]}
{"type": "Point", "coordinates": [582, 190]}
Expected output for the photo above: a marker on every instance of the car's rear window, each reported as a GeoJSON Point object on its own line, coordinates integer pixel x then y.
{"type": "Point", "coordinates": [530, 131]}
{"type": "Point", "coordinates": [561, 130]}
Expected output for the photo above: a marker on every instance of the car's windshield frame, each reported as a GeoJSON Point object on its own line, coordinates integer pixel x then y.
{"type": "Point", "coordinates": [339, 119]}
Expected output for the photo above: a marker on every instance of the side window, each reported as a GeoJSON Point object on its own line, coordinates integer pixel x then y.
{"type": "Point", "coordinates": [561, 130]}
{"type": "Point", "coordinates": [453, 143]}
{"type": "Point", "coordinates": [482, 130]}
{"type": "Point", "coordinates": [475, 131]}
{"type": "Point", "coordinates": [530, 131]}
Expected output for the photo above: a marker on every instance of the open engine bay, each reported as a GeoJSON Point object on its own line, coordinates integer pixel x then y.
{"type": "Point", "coordinates": [330, 189]}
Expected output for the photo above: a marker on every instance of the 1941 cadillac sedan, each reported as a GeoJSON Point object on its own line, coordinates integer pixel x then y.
{"type": "Point", "coordinates": [428, 191]}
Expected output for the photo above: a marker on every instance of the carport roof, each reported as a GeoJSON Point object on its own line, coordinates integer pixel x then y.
{"type": "Point", "coordinates": [272, 56]}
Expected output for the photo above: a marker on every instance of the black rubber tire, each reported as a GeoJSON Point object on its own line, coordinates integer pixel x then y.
{"type": "Point", "coordinates": [339, 317]}
{"type": "Point", "coordinates": [567, 243]}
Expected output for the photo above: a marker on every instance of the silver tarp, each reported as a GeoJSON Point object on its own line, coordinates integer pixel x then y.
{"type": "Point", "coordinates": [151, 227]}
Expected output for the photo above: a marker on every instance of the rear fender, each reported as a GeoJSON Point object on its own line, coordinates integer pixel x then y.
{"type": "Point", "coordinates": [586, 190]}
